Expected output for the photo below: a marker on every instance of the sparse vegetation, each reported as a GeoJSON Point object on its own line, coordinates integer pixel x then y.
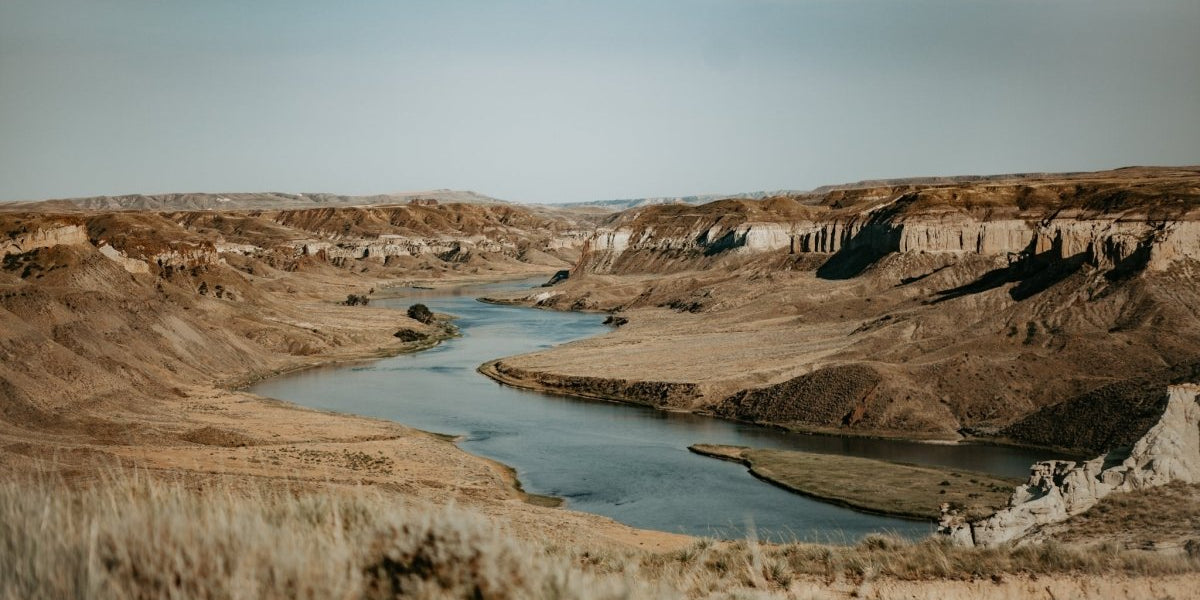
{"type": "Point", "coordinates": [616, 320]}
{"type": "Point", "coordinates": [888, 556]}
{"type": "Point", "coordinates": [1167, 515]}
{"type": "Point", "coordinates": [129, 536]}
{"type": "Point", "coordinates": [650, 393]}
{"type": "Point", "coordinates": [914, 491]}
{"type": "Point", "coordinates": [830, 396]}
{"type": "Point", "coordinates": [356, 300]}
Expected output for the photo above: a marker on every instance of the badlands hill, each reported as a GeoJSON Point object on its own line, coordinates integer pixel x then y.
{"type": "Point", "coordinates": [1044, 309]}
{"type": "Point", "coordinates": [109, 320]}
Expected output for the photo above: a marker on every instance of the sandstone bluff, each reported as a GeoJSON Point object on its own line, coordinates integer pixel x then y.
{"type": "Point", "coordinates": [1008, 308]}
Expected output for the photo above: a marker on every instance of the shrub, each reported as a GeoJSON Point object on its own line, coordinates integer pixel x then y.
{"type": "Point", "coordinates": [420, 312]}
{"type": "Point", "coordinates": [409, 335]}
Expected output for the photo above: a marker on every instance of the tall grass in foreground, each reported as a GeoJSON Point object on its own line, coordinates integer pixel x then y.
{"type": "Point", "coordinates": [128, 536]}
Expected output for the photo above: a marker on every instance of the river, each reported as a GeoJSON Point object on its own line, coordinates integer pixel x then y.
{"type": "Point", "coordinates": [626, 462]}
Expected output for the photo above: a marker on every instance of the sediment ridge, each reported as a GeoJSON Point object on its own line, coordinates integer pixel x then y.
{"type": "Point", "coordinates": [658, 394]}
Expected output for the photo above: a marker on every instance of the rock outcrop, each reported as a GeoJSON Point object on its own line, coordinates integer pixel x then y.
{"type": "Point", "coordinates": [1109, 223]}
{"type": "Point", "coordinates": [44, 237]}
{"type": "Point", "coordinates": [1057, 490]}
{"type": "Point", "coordinates": [132, 265]}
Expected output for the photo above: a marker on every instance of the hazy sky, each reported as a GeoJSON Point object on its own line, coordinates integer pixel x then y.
{"type": "Point", "coordinates": [566, 101]}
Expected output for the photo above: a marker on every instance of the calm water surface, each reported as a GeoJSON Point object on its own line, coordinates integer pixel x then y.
{"type": "Point", "coordinates": [626, 462]}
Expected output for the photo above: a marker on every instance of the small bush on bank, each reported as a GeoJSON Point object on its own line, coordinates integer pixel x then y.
{"type": "Point", "coordinates": [420, 312]}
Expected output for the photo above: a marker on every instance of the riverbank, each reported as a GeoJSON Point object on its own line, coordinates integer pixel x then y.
{"type": "Point", "coordinates": [196, 425]}
{"type": "Point", "coordinates": [352, 450]}
{"type": "Point", "coordinates": [655, 394]}
{"type": "Point", "coordinates": [875, 486]}
{"type": "Point", "coordinates": [674, 396]}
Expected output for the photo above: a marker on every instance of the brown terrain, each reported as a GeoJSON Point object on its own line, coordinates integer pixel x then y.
{"type": "Point", "coordinates": [1046, 310]}
{"type": "Point", "coordinates": [127, 334]}
{"type": "Point", "coordinates": [1042, 310]}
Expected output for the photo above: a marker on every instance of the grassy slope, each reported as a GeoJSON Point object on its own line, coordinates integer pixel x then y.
{"type": "Point", "coordinates": [1166, 517]}
{"type": "Point", "coordinates": [903, 490]}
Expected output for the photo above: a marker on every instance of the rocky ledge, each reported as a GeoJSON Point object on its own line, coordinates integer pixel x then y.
{"type": "Point", "coordinates": [1058, 490]}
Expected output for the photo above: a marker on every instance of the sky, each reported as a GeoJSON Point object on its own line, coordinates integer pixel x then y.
{"type": "Point", "coordinates": [563, 101]}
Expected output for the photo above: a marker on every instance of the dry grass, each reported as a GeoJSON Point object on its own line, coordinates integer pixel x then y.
{"type": "Point", "coordinates": [930, 559]}
{"type": "Point", "coordinates": [1166, 516]}
{"type": "Point", "coordinates": [832, 396]}
{"type": "Point", "coordinates": [914, 491]}
{"type": "Point", "coordinates": [128, 536]}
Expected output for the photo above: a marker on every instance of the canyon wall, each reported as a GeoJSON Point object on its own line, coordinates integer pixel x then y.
{"type": "Point", "coordinates": [886, 221]}
{"type": "Point", "coordinates": [451, 233]}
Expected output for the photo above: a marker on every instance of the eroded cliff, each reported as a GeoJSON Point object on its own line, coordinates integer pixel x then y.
{"type": "Point", "coordinates": [977, 307]}
{"type": "Point", "coordinates": [1105, 219]}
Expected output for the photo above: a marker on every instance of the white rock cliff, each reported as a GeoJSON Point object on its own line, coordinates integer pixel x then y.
{"type": "Point", "coordinates": [1058, 490]}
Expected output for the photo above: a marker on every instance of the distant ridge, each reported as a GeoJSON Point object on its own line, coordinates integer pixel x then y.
{"type": "Point", "coordinates": [929, 181]}
{"type": "Point", "coordinates": [247, 201]}
{"type": "Point", "coordinates": [627, 203]}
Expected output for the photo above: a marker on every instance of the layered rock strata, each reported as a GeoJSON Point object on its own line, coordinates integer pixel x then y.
{"type": "Point", "coordinates": [1058, 490]}
{"type": "Point", "coordinates": [1102, 242]}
